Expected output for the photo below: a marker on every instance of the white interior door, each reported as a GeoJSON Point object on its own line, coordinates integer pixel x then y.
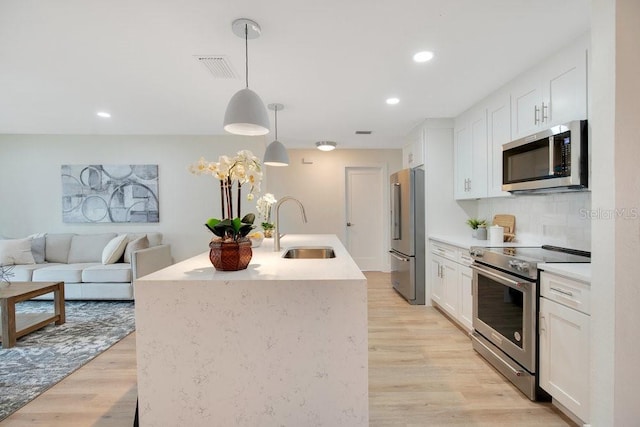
{"type": "Point", "coordinates": [365, 209]}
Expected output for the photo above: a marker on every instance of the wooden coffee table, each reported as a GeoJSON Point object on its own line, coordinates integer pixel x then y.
{"type": "Point", "coordinates": [14, 325]}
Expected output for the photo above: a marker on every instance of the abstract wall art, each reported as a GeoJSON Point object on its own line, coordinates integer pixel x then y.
{"type": "Point", "coordinates": [110, 193]}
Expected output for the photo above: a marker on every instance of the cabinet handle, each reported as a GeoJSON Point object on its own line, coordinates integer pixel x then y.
{"type": "Point", "coordinates": [469, 184]}
{"type": "Point", "coordinates": [541, 326]}
{"type": "Point", "coordinates": [536, 110]}
{"type": "Point", "coordinates": [561, 291]}
{"type": "Point", "coordinates": [545, 116]}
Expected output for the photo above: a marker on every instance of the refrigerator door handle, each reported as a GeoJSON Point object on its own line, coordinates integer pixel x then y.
{"type": "Point", "coordinates": [395, 212]}
{"type": "Point", "coordinates": [398, 257]}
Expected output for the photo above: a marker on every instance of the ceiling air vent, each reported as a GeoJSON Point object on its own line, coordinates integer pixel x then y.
{"type": "Point", "coordinates": [218, 65]}
{"type": "Point", "coordinates": [363, 132]}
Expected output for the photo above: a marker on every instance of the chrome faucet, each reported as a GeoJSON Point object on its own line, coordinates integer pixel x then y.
{"type": "Point", "coordinates": [276, 238]}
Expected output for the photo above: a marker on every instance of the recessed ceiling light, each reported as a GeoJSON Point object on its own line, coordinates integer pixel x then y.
{"type": "Point", "coordinates": [392, 101]}
{"type": "Point", "coordinates": [326, 145]}
{"type": "Point", "coordinates": [103, 114]}
{"type": "Point", "coordinates": [423, 56]}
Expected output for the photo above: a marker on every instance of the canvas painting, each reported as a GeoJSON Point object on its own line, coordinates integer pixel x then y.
{"type": "Point", "coordinates": [110, 193]}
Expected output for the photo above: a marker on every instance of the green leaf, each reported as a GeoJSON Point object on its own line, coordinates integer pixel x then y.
{"type": "Point", "coordinates": [248, 218]}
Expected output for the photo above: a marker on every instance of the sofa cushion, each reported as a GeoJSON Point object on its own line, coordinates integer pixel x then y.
{"type": "Point", "coordinates": [114, 249]}
{"type": "Point", "coordinates": [37, 247]}
{"type": "Point", "coordinates": [68, 273]}
{"type": "Point", "coordinates": [110, 273]}
{"type": "Point", "coordinates": [88, 247]}
{"type": "Point", "coordinates": [155, 238]}
{"type": "Point", "coordinates": [57, 246]}
{"type": "Point", "coordinates": [24, 273]}
{"type": "Point", "coordinates": [16, 251]}
{"type": "Point", "coordinates": [135, 245]}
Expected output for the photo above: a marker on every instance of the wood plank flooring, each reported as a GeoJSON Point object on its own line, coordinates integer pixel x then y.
{"type": "Point", "coordinates": [422, 372]}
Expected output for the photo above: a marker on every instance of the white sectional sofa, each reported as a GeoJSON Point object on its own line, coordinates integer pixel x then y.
{"type": "Point", "coordinates": [92, 266]}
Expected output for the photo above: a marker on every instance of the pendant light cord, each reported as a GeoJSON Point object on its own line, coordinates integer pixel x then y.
{"type": "Point", "coordinates": [246, 54]}
{"type": "Point", "coordinates": [276, 110]}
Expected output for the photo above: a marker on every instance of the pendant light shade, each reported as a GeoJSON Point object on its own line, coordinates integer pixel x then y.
{"type": "Point", "coordinates": [276, 154]}
{"type": "Point", "coordinates": [246, 114]}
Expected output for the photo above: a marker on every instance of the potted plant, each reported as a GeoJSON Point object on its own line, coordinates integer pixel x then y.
{"type": "Point", "coordinates": [230, 249]}
{"type": "Point", "coordinates": [263, 205]}
{"type": "Point", "coordinates": [475, 223]}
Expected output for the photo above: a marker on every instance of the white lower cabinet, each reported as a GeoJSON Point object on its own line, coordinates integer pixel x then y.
{"type": "Point", "coordinates": [565, 342]}
{"type": "Point", "coordinates": [451, 282]}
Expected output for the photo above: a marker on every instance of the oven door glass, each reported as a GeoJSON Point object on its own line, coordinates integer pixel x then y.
{"type": "Point", "coordinates": [501, 307]}
{"type": "Point", "coordinates": [504, 313]}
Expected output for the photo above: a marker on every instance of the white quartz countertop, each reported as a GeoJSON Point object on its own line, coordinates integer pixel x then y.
{"type": "Point", "coordinates": [466, 241]}
{"type": "Point", "coordinates": [269, 265]}
{"type": "Point", "coordinates": [577, 271]}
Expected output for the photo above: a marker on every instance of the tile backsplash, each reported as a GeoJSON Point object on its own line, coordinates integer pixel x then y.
{"type": "Point", "coordinates": [559, 219]}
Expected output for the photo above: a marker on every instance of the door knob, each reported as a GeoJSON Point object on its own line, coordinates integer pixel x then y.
{"type": "Point", "coordinates": [349, 224]}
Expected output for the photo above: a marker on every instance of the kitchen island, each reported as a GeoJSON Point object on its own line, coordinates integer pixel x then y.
{"type": "Point", "coordinates": [283, 342]}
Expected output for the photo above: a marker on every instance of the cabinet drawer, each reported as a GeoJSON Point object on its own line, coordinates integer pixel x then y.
{"type": "Point", "coordinates": [445, 251]}
{"type": "Point", "coordinates": [465, 258]}
{"type": "Point", "coordinates": [565, 291]}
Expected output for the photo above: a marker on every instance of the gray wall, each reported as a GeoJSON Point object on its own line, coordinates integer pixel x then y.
{"type": "Point", "coordinates": [30, 193]}
{"type": "Point", "coordinates": [31, 190]}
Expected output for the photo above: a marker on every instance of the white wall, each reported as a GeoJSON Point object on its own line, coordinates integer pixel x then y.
{"type": "Point", "coordinates": [320, 186]}
{"type": "Point", "coordinates": [561, 219]}
{"type": "Point", "coordinates": [614, 117]}
{"type": "Point", "coordinates": [30, 192]}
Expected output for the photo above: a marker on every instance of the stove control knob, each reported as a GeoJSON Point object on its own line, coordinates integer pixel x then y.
{"type": "Point", "coordinates": [519, 265]}
{"type": "Point", "coordinates": [476, 253]}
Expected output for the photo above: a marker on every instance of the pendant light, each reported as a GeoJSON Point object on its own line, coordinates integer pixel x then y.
{"type": "Point", "coordinates": [246, 114]}
{"type": "Point", "coordinates": [276, 154]}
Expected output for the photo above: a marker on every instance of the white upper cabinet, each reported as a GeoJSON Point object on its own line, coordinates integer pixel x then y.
{"type": "Point", "coordinates": [463, 156]}
{"type": "Point", "coordinates": [498, 133]}
{"type": "Point", "coordinates": [470, 152]}
{"type": "Point", "coordinates": [553, 93]}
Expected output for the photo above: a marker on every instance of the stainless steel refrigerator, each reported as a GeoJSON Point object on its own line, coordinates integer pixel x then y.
{"type": "Point", "coordinates": [408, 234]}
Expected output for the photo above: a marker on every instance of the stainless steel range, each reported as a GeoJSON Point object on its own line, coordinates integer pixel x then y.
{"type": "Point", "coordinates": [505, 308]}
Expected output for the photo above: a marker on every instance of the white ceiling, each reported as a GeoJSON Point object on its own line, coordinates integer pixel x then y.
{"type": "Point", "coordinates": [332, 63]}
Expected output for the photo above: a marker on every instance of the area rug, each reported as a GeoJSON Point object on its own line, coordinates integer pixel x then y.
{"type": "Point", "coordinates": [41, 359]}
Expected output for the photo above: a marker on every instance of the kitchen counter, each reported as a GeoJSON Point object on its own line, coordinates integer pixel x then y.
{"type": "Point", "coordinates": [283, 342]}
{"type": "Point", "coordinates": [577, 271]}
{"type": "Point", "coordinates": [467, 241]}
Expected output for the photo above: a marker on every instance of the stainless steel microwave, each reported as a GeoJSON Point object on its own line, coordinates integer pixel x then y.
{"type": "Point", "coordinates": [555, 159]}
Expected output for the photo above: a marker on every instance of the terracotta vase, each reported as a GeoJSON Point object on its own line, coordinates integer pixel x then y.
{"type": "Point", "coordinates": [230, 256]}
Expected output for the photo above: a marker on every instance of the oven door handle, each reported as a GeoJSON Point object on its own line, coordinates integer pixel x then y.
{"type": "Point", "coordinates": [500, 277]}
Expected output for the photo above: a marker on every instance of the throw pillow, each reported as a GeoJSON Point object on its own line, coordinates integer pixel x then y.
{"type": "Point", "coordinates": [114, 249]}
{"type": "Point", "coordinates": [37, 247]}
{"type": "Point", "coordinates": [135, 245]}
{"type": "Point", "coordinates": [16, 252]}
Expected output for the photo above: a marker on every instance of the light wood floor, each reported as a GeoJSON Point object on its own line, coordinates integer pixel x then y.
{"type": "Point", "coordinates": [422, 372]}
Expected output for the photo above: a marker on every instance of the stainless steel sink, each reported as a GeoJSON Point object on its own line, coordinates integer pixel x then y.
{"type": "Point", "coordinates": [309, 252]}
